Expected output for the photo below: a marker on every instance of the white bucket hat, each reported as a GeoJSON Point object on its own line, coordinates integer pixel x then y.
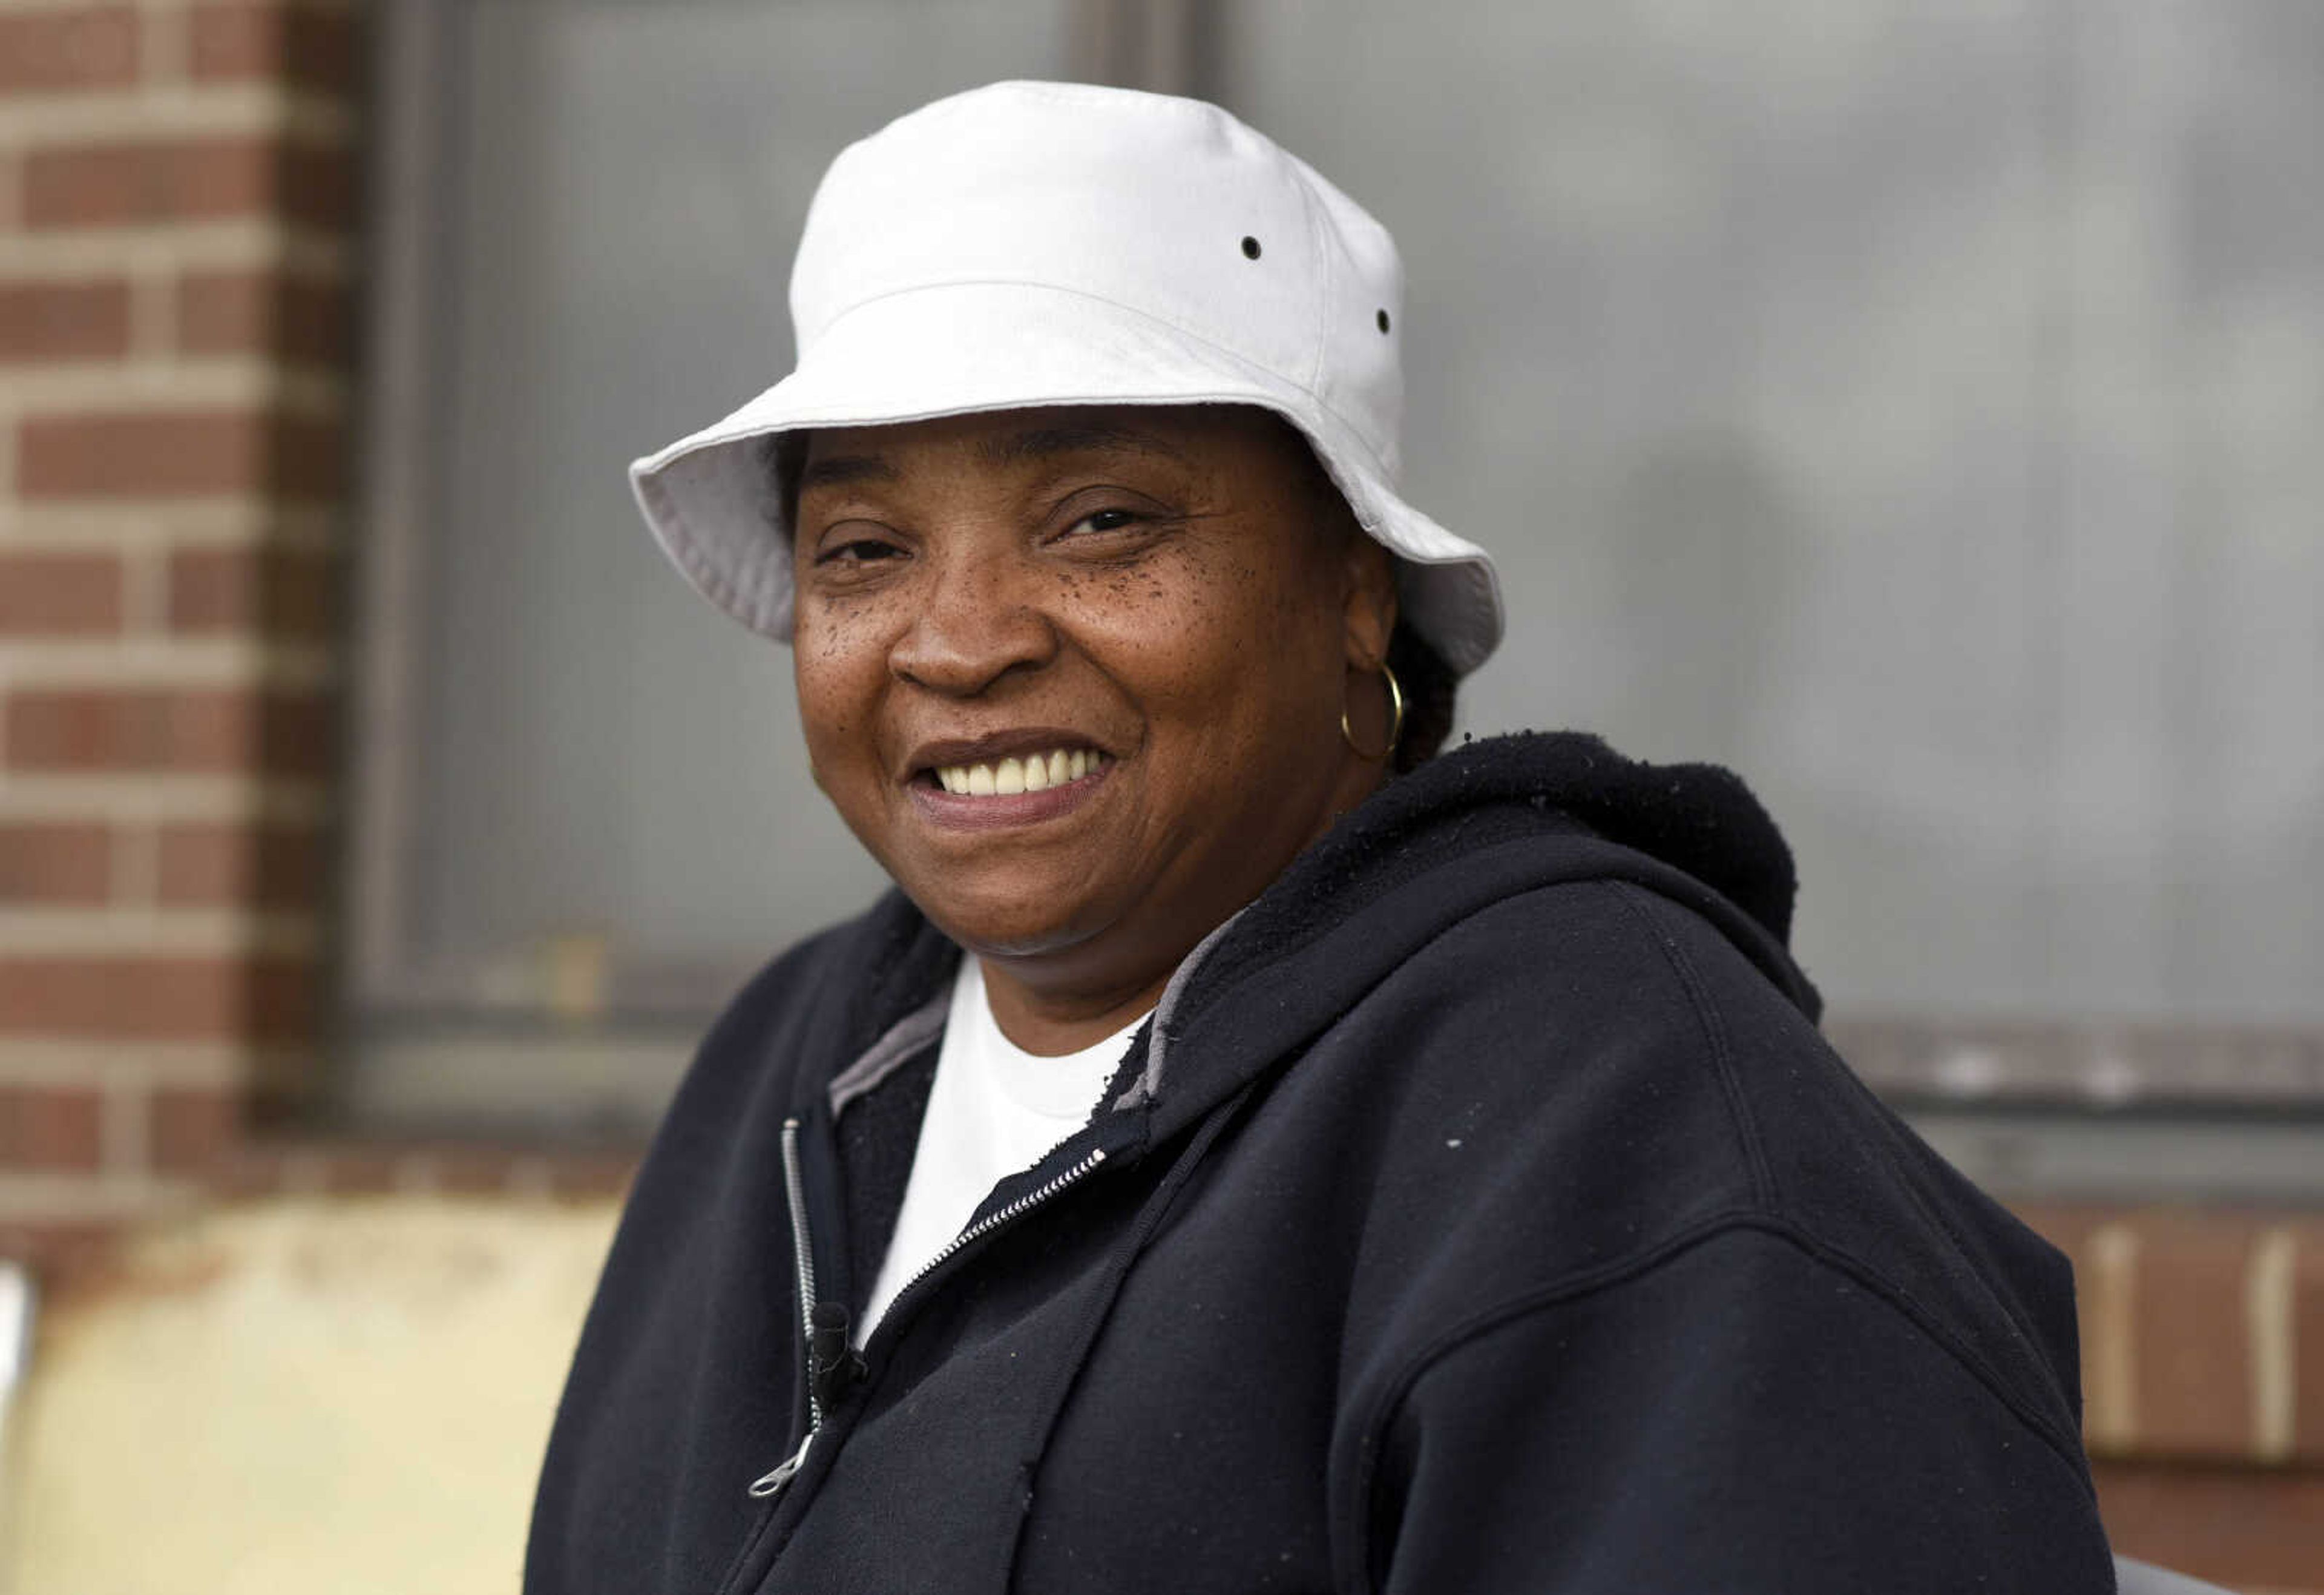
{"type": "Point", "coordinates": [1040, 243]}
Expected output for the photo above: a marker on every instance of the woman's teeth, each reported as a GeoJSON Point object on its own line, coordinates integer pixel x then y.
{"type": "Point", "coordinates": [1035, 773]}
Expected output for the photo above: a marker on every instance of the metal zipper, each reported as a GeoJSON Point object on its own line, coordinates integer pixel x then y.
{"type": "Point", "coordinates": [772, 1481]}
{"type": "Point", "coordinates": [999, 1216]}
{"type": "Point", "coordinates": [803, 1257]}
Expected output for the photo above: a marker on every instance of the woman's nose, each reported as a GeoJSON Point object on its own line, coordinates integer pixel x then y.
{"type": "Point", "coordinates": [978, 620]}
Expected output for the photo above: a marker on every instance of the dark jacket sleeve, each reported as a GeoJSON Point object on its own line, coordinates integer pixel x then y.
{"type": "Point", "coordinates": [1739, 1415]}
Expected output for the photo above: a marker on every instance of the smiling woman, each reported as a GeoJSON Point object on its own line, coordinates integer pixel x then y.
{"type": "Point", "coordinates": [1245, 1149]}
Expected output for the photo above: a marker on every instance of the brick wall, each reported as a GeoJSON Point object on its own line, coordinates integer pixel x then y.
{"type": "Point", "coordinates": [177, 205]}
{"type": "Point", "coordinates": [2203, 1385]}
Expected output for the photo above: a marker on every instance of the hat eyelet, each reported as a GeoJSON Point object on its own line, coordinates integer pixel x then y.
{"type": "Point", "coordinates": [1249, 248]}
{"type": "Point", "coordinates": [1381, 318]}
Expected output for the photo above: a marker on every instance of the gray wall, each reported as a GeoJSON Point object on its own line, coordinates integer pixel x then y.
{"type": "Point", "coordinates": [1920, 407]}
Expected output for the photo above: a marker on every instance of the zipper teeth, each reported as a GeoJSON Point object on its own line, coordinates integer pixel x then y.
{"type": "Point", "coordinates": [802, 1255]}
{"type": "Point", "coordinates": [993, 1220]}
{"type": "Point", "coordinates": [772, 1481]}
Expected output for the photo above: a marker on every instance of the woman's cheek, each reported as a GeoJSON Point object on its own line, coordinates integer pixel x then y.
{"type": "Point", "coordinates": [1174, 597]}
{"type": "Point", "coordinates": [830, 626]}
{"type": "Point", "coordinates": [835, 681]}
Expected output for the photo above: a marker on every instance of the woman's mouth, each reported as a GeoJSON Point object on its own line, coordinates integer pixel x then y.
{"type": "Point", "coordinates": [1008, 778]}
{"type": "Point", "coordinates": [1001, 794]}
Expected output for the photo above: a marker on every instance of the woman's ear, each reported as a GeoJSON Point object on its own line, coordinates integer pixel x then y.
{"type": "Point", "coordinates": [1368, 615]}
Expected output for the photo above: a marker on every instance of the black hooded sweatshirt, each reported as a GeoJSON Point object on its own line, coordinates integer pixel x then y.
{"type": "Point", "coordinates": [1479, 1211]}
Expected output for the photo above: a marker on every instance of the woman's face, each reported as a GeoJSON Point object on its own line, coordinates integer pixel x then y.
{"type": "Point", "coordinates": [1074, 675]}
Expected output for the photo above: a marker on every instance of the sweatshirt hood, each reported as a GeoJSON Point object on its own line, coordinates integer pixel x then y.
{"type": "Point", "coordinates": [1492, 819]}
{"type": "Point", "coordinates": [1699, 819]}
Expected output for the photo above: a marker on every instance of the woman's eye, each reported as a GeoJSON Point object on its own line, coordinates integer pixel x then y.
{"type": "Point", "coordinates": [1104, 521]}
{"type": "Point", "coordinates": [858, 551]}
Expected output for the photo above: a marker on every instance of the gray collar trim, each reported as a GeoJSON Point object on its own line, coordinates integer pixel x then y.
{"type": "Point", "coordinates": [883, 1058]}
{"type": "Point", "coordinates": [1148, 1086]}
{"type": "Point", "coordinates": [908, 1035]}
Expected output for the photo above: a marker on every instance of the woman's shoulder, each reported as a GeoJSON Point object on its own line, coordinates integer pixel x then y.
{"type": "Point", "coordinates": [1627, 1083]}
{"type": "Point", "coordinates": [1610, 1038]}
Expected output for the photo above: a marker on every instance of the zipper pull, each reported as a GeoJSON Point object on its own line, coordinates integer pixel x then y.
{"type": "Point", "coordinates": [772, 1481]}
{"type": "Point", "coordinates": [834, 1368]}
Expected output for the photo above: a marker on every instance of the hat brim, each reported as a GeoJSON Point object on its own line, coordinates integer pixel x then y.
{"type": "Point", "coordinates": [960, 348]}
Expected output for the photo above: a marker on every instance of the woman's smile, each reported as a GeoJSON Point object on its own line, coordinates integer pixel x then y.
{"type": "Point", "coordinates": [1034, 773]}
{"type": "Point", "coordinates": [1048, 783]}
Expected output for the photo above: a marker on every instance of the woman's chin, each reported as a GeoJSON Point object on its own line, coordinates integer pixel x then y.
{"type": "Point", "coordinates": [1010, 924]}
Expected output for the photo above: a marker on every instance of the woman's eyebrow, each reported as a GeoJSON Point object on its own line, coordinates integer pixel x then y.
{"type": "Point", "coordinates": [1041, 443]}
{"type": "Point", "coordinates": [840, 470]}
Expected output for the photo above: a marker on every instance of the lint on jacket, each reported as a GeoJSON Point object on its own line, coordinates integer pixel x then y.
{"type": "Point", "coordinates": [1481, 1210]}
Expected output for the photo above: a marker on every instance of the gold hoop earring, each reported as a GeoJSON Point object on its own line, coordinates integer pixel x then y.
{"type": "Point", "coordinates": [1395, 718]}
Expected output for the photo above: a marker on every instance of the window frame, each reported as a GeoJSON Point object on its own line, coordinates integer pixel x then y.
{"type": "Point", "coordinates": [602, 1053]}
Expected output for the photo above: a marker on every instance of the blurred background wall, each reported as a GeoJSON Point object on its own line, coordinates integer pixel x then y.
{"type": "Point", "coordinates": [1916, 407]}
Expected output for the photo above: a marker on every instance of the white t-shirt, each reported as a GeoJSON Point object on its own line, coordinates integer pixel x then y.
{"type": "Point", "coordinates": [993, 1111]}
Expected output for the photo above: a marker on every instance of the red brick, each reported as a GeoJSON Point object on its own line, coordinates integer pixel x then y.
{"type": "Point", "coordinates": [76, 47]}
{"type": "Point", "coordinates": [64, 320]}
{"type": "Point", "coordinates": [302, 45]}
{"type": "Point", "coordinates": [157, 999]}
{"type": "Point", "coordinates": [582, 1175]}
{"type": "Point", "coordinates": [192, 1131]}
{"type": "Point", "coordinates": [453, 1168]}
{"type": "Point", "coordinates": [357, 1168]}
{"type": "Point", "coordinates": [144, 181]}
{"type": "Point", "coordinates": [55, 863]}
{"type": "Point", "coordinates": [471, 1169]}
{"type": "Point", "coordinates": [60, 594]}
{"type": "Point", "coordinates": [263, 313]}
{"type": "Point", "coordinates": [210, 729]}
{"type": "Point", "coordinates": [282, 593]}
{"type": "Point", "coordinates": [63, 1252]}
{"type": "Point", "coordinates": [48, 1126]}
{"type": "Point", "coordinates": [2307, 1344]}
{"type": "Point", "coordinates": [2194, 1375]}
{"type": "Point", "coordinates": [146, 454]}
{"type": "Point", "coordinates": [254, 1170]}
{"type": "Point", "coordinates": [2242, 1528]}
{"type": "Point", "coordinates": [2190, 1339]}
{"type": "Point", "coordinates": [264, 867]}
